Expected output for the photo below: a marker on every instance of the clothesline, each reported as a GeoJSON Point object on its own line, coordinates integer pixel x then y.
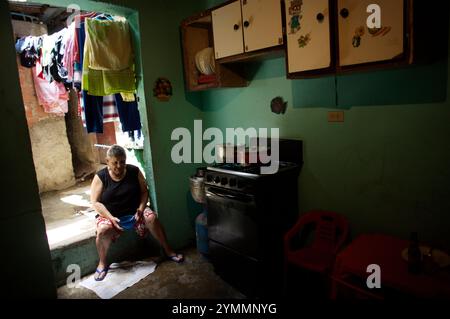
{"type": "Point", "coordinates": [93, 56]}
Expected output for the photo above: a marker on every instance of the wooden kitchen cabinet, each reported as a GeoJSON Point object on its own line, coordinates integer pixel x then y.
{"type": "Point", "coordinates": [246, 26]}
{"type": "Point", "coordinates": [359, 44]}
{"type": "Point", "coordinates": [333, 36]}
{"type": "Point", "coordinates": [227, 30]}
{"type": "Point", "coordinates": [196, 35]}
{"type": "Point", "coordinates": [310, 40]}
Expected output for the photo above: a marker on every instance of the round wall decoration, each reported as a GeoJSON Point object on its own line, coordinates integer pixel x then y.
{"type": "Point", "coordinates": [162, 89]}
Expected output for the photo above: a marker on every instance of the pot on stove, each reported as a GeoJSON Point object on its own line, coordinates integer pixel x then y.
{"type": "Point", "coordinates": [226, 151]}
{"type": "Point", "coordinates": [251, 155]}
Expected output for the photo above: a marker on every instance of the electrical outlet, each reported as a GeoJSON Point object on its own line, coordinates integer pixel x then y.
{"type": "Point", "coordinates": [336, 116]}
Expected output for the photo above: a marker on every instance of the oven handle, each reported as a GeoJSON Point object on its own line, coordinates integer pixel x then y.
{"type": "Point", "coordinates": [241, 198]}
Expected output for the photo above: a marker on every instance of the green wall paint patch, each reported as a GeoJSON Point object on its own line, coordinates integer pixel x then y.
{"type": "Point", "coordinates": [412, 85]}
{"type": "Point", "coordinates": [320, 92]}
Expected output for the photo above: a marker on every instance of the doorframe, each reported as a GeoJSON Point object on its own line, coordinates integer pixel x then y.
{"type": "Point", "coordinates": [132, 17]}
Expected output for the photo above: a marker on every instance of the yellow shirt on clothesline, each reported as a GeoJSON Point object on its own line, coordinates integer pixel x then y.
{"type": "Point", "coordinates": [108, 81]}
{"type": "Point", "coordinates": [110, 45]}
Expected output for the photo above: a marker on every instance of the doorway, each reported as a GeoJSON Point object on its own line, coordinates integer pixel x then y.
{"type": "Point", "coordinates": [65, 156]}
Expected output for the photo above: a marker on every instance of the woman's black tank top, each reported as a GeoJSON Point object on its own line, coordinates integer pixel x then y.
{"type": "Point", "coordinates": [123, 197]}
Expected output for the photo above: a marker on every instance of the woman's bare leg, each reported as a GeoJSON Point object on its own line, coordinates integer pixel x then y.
{"type": "Point", "coordinates": [103, 241]}
{"type": "Point", "coordinates": [157, 230]}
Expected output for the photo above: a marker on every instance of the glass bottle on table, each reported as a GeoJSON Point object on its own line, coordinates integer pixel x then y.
{"type": "Point", "coordinates": [428, 264]}
{"type": "Point", "coordinates": [414, 254]}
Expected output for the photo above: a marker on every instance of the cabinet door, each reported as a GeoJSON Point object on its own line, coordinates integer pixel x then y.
{"type": "Point", "coordinates": [359, 44]}
{"type": "Point", "coordinates": [227, 30]}
{"type": "Point", "coordinates": [308, 35]}
{"type": "Point", "coordinates": [262, 24]}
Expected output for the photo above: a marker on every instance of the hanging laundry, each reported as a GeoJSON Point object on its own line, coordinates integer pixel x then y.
{"type": "Point", "coordinates": [93, 112]}
{"type": "Point", "coordinates": [96, 58]}
{"type": "Point", "coordinates": [135, 140]}
{"type": "Point", "coordinates": [96, 110]}
{"type": "Point", "coordinates": [78, 49]}
{"type": "Point", "coordinates": [128, 97]}
{"type": "Point", "coordinates": [57, 70]}
{"type": "Point", "coordinates": [110, 45]}
{"type": "Point", "coordinates": [77, 77]}
{"type": "Point", "coordinates": [135, 135]}
{"type": "Point", "coordinates": [108, 82]}
{"type": "Point", "coordinates": [110, 113]}
{"type": "Point", "coordinates": [52, 96]}
{"type": "Point", "coordinates": [69, 51]}
{"type": "Point", "coordinates": [128, 114]}
{"type": "Point", "coordinates": [105, 82]}
{"type": "Point", "coordinates": [52, 56]}
{"type": "Point", "coordinates": [78, 67]}
{"type": "Point", "coordinates": [28, 48]}
{"type": "Point", "coordinates": [25, 43]}
{"type": "Point", "coordinates": [46, 53]}
{"type": "Point", "coordinates": [79, 40]}
{"type": "Point", "coordinates": [46, 58]}
{"type": "Point", "coordinates": [28, 58]}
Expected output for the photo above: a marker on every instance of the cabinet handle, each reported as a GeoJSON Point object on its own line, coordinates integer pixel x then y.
{"type": "Point", "coordinates": [344, 13]}
{"type": "Point", "coordinates": [320, 17]}
{"type": "Point", "coordinates": [236, 27]}
{"type": "Point", "coordinates": [246, 24]}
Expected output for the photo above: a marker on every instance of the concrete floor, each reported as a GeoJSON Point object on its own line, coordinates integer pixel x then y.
{"type": "Point", "coordinates": [192, 279]}
{"type": "Point", "coordinates": [65, 204]}
{"type": "Point", "coordinates": [67, 214]}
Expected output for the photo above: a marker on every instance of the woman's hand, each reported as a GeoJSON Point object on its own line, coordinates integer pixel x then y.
{"type": "Point", "coordinates": [139, 215]}
{"type": "Point", "coordinates": [115, 221]}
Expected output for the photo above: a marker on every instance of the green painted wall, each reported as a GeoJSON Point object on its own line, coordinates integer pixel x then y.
{"type": "Point", "coordinates": [386, 167]}
{"type": "Point", "coordinates": [25, 265]}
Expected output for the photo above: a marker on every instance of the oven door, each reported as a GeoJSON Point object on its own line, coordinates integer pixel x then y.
{"type": "Point", "coordinates": [232, 220]}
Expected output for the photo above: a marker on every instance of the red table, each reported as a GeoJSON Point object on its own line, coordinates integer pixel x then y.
{"type": "Point", "coordinates": [385, 251]}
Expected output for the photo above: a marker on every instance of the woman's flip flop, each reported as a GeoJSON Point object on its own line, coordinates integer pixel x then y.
{"type": "Point", "coordinates": [178, 258]}
{"type": "Point", "coordinates": [101, 274]}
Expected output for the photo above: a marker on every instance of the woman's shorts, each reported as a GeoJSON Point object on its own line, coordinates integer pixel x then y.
{"type": "Point", "coordinates": [139, 226]}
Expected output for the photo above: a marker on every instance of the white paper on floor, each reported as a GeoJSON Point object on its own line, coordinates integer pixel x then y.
{"type": "Point", "coordinates": [119, 277]}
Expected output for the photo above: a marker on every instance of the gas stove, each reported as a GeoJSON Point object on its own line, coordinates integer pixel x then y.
{"type": "Point", "coordinates": [248, 215]}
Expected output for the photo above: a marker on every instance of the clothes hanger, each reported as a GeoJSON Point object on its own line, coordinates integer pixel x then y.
{"type": "Point", "coordinates": [104, 16]}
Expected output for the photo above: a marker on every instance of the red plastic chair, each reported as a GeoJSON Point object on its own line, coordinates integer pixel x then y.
{"type": "Point", "coordinates": [331, 230]}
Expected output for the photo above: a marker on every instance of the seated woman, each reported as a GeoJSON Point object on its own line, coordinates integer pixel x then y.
{"type": "Point", "coordinates": [119, 195]}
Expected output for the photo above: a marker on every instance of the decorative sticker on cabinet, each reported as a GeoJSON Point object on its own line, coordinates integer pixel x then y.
{"type": "Point", "coordinates": [378, 31]}
{"type": "Point", "coordinates": [304, 40]}
{"type": "Point", "coordinates": [359, 32]}
{"type": "Point", "coordinates": [374, 32]}
{"type": "Point", "coordinates": [295, 11]}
